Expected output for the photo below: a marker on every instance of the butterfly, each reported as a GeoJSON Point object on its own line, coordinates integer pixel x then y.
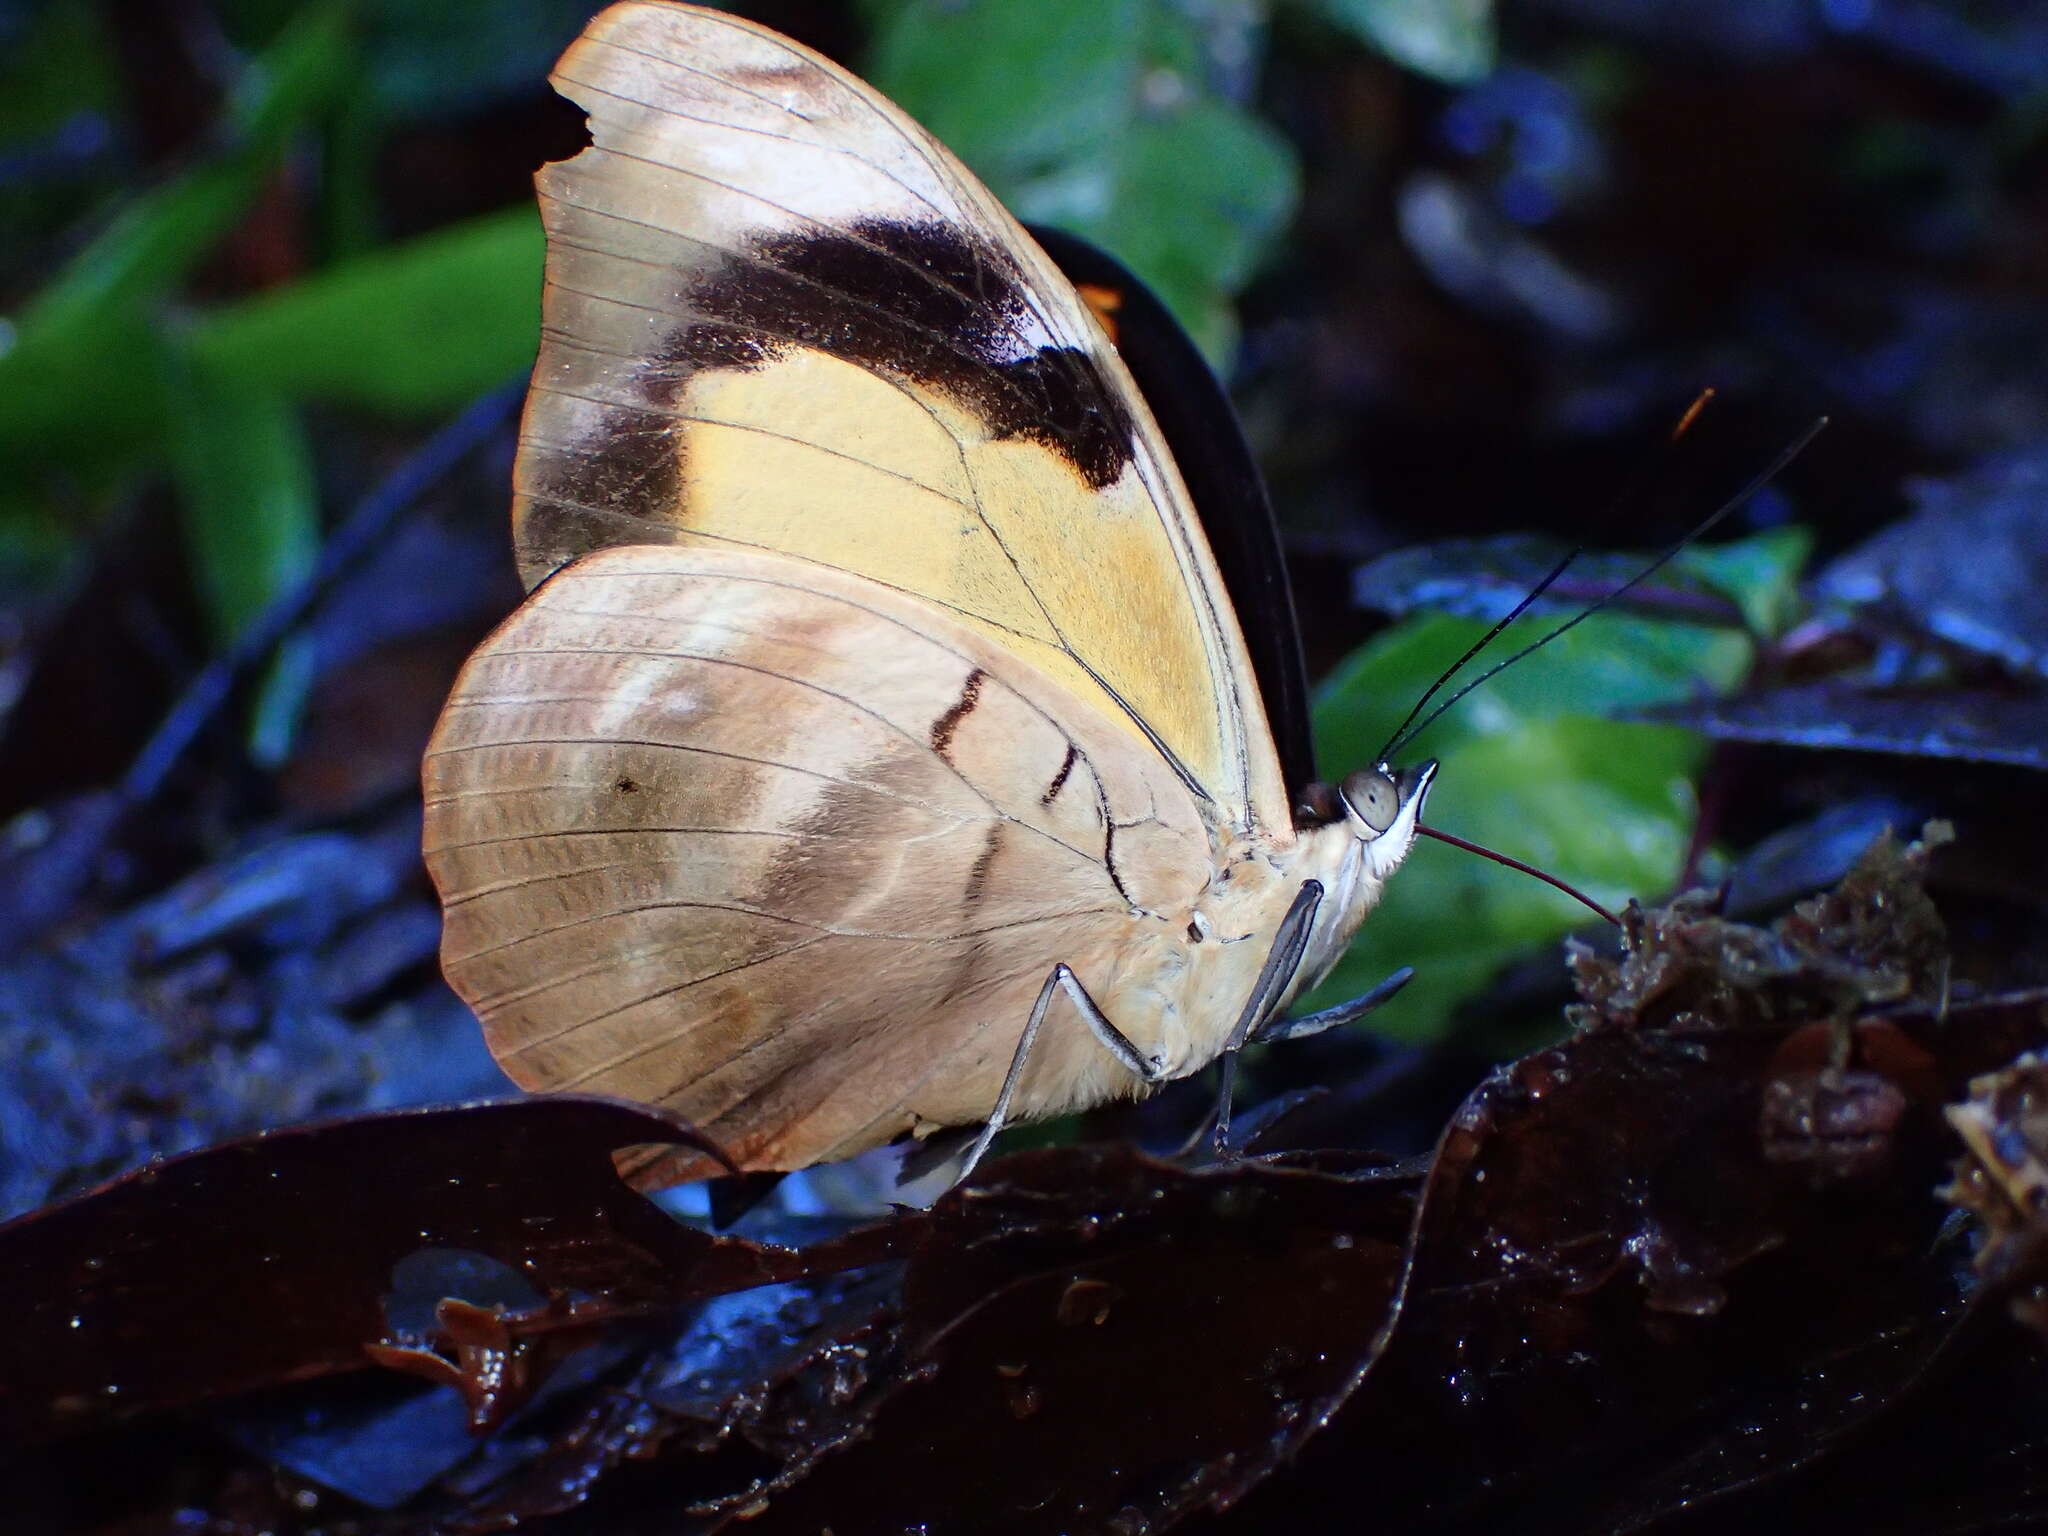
{"type": "Point", "coordinates": [879, 748]}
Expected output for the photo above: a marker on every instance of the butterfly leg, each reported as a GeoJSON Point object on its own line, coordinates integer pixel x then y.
{"type": "Point", "coordinates": [1289, 945]}
{"type": "Point", "coordinates": [1301, 1027]}
{"type": "Point", "coordinates": [1114, 1040]}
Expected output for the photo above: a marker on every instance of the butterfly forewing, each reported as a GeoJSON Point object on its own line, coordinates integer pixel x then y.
{"type": "Point", "coordinates": [1215, 462]}
{"type": "Point", "coordinates": [780, 316]}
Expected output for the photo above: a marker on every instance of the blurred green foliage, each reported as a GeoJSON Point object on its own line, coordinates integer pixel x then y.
{"type": "Point", "coordinates": [111, 374]}
{"type": "Point", "coordinates": [85, 376]}
{"type": "Point", "coordinates": [410, 330]}
{"type": "Point", "coordinates": [1126, 120]}
{"type": "Point", "coordinates": [247, 487]}
{"type": "Point", "coordinates": [1108, 118]}
{"type": "Point", "coordinates": [1130, 121]}
{"type": "Point", "coordinates": [1531, 769]}
{"type": "Point", "coordinates": [1449, 40]}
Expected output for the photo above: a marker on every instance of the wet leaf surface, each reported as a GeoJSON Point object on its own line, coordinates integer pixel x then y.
{"type": "Point", "coordinates": [1689, 1258]}
{"type": "Point", "coordinates": [1929, 638]}
{"type": "Point", "coordinates": [1972, 725]}
{"type": "Point", "coordinates": [1691, 1252]}
{"type": "Point", "coordinates": [1112, 1342]}
{"type": "Point", "coordinates": [122, 1313]}
{"type": "Point", "coordinates": [1968, 568]}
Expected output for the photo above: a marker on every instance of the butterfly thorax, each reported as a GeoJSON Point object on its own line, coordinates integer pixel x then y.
{"type": "Point", "coordinates": [1234, 923]}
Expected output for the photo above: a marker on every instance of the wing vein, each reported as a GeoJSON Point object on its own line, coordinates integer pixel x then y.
{"type": "Point", "coordinates": [515, 743]}
{"type": "Point", "coordinates": [659, 992]}
{"type": "Point", "coordinates": [941, 340]}
{"type": "Point", "coordinates": [740, 426]}
{"type": "Point", "coordinates": [843, 151]}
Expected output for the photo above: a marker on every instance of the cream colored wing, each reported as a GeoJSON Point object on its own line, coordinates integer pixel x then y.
{"type": "Point", "coordinates": [790, 853]}
{"type": "Point", "coordinates": [778, 314]}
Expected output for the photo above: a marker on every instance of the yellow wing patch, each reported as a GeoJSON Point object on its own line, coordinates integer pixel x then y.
{"type": "Point", "coordinates": [780, 315]}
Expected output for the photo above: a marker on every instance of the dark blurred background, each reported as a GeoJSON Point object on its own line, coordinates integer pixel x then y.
{"type": "Point", "coordinates": [1463, 270]}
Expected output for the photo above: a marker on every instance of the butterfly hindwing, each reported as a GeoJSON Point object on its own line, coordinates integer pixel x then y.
{"type": "Point", "coordinates": [773, 847]}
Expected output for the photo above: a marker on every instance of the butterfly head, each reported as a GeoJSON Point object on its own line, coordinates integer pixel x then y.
{"type": "Point", "coordinates": [1383, 806]}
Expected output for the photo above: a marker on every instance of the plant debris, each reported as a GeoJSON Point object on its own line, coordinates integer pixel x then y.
{"type": "Point", "coordinates": [2002, 1180]}
{"type": "Point", "coordinates": [1570, 1306]}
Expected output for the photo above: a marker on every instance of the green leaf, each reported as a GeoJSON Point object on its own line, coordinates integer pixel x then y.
{"type": "Point", "coordinates": [1096, 115]}
{"type": "Point", "coordinates": [247, 489]}
{"type": "Point", "coordinates": [152, 244]}
{"type": "Point", "coordinates": [1013, 87]}
{"type": "Point", "coordinates": [1760, 575]}
{"type": "Point", "coordinates": [411, 330]}
{"type": "Point", "coordinates": [250, 499]}
{"type": "Point", "coordinates": [87, 396]}
{"type": "Point", "coordinates": [1448, 40]}
{"type": "Point", "coordinates": [1530, 770]}
{"type": "Point", "coordinates": [1189, 201]}
{"type": "Point", "coordinates": [78, 378]}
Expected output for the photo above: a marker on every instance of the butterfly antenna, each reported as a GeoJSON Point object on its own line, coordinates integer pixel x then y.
{"type": "Point", "coordinates": [1635, 485]}
{"type": "Point", "coordinates": [1769, 473]}
{"type": "Point", "coordinates": [1476, 647]}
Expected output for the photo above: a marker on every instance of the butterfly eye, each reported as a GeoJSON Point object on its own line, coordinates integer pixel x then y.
{"type": "Point", "coordinates": [1372, 798]}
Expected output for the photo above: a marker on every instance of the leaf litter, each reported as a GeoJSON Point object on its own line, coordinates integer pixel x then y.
{"type": "Point", "coordinates": [1690, 1256]}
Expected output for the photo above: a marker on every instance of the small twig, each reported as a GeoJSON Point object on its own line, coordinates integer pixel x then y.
{"type": "Point", "coordinates": [357, 536]}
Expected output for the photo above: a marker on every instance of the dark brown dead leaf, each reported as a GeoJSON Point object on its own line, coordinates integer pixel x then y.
{"type": "Point", "coordinates": [1690, 1250]}
{"type": "Point", "coordinates": [1688, 1258]}
{"type": "Point", "coordinates": [1982, 724]}
{"type": "Point", "coordinates": [265, 1260]}
{"type": "Point", "coordinates": [1187, 1328]}
{"type": "Point", "coordinates": [1099, 1341]}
